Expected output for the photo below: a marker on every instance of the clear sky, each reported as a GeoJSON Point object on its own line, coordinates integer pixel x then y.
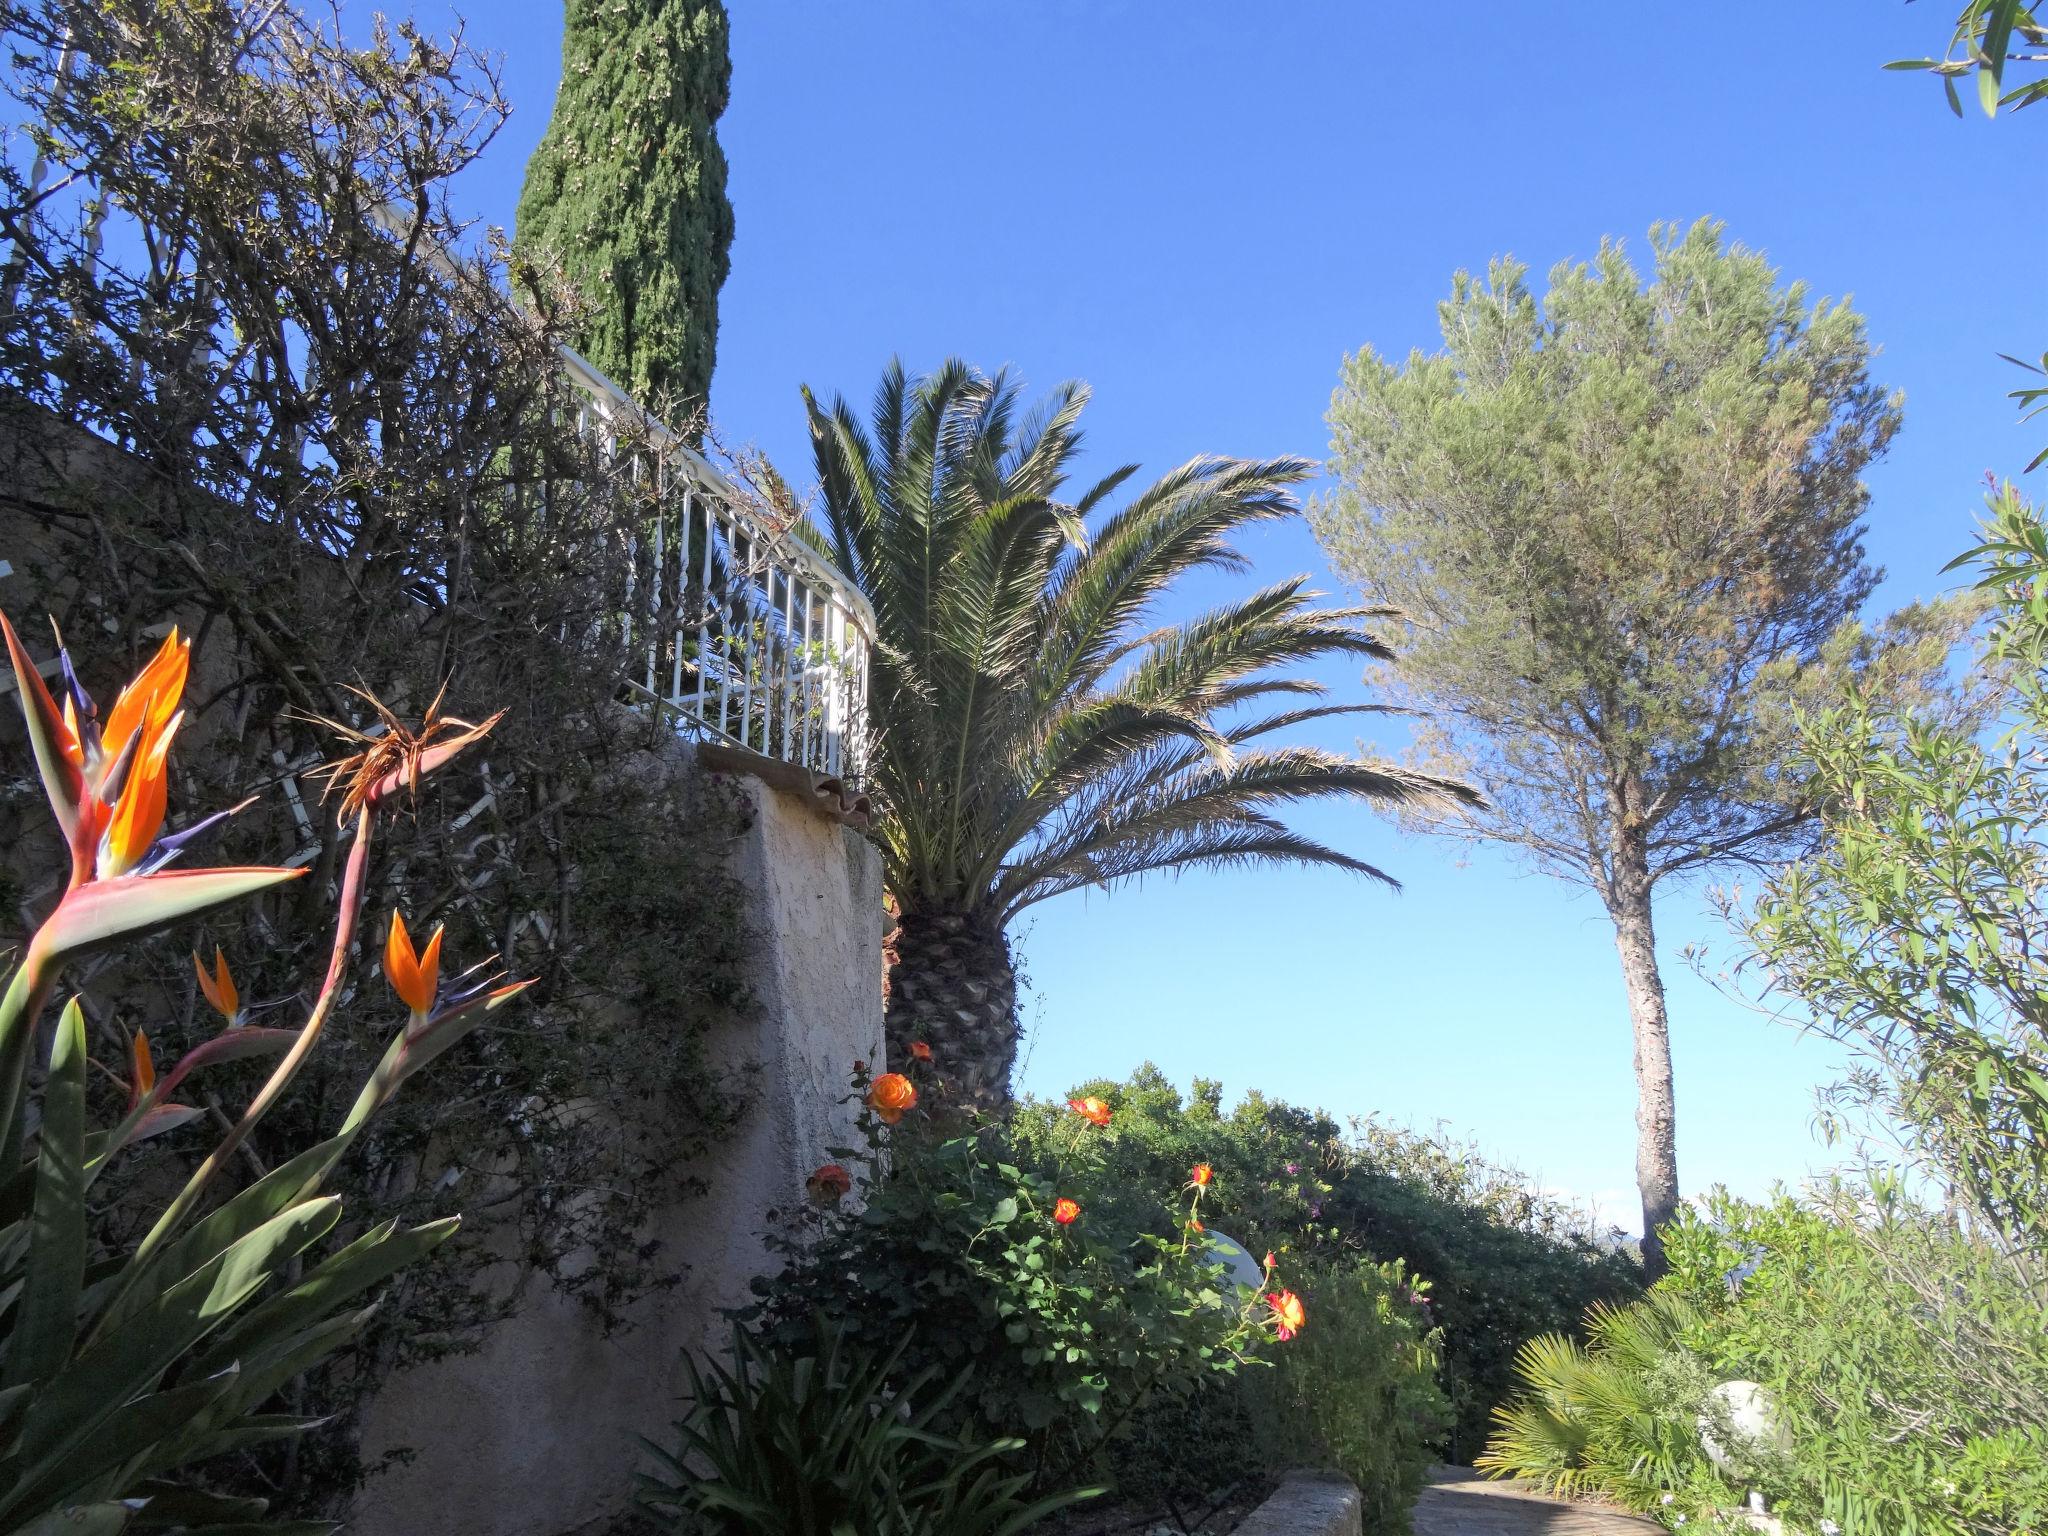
{"type": "Point", "coordinates": [1199, 208]}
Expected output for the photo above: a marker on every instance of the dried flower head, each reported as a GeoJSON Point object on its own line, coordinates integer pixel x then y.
{"type": "Point", "coordinates": [395, 755]}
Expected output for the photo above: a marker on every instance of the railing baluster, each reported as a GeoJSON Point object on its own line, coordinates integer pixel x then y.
{"type": "Point", "coordinates": [808, 661]}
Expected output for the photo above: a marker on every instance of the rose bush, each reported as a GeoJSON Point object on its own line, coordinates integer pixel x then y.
{"type": "Point", "coordinates": [1066, 1298]}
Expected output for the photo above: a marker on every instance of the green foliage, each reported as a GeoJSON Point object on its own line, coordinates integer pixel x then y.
{"type": "Point", "coordinates": [1906, 1355]}
{"type": "Point", "coordinates": [1619, 1416]}
{"type": "Point", "coordinates": [1911, 933]}
{"type": "Point", "coordinates": [1061, 1330]}
{"type": "Point", "coordinates": [1622, 520]}
{"type": "Point", "coordinates": [1906, 1341]}
{"type": "Point", "coordinates": [1361, 1388]}
{"type": "Point", "coordinates": [1501, 1262]}
{"type": "Point", "coordinates": [626, 191]}
{"type": "Point", "coordinates": [1990, 36]}
{"type": "Point", "coordinates": [820, 1436]}
{"type": "Point", "coordinates": [1036, 731]}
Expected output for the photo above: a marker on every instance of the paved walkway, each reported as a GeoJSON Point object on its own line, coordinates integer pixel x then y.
{"type": "Point", "coordinates": [1458, 1502]}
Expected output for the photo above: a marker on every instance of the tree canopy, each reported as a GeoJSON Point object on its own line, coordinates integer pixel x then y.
{"type": "Point", "coordinates": [626, 191]}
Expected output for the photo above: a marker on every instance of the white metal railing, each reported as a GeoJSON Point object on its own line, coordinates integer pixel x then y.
{"type": "Point", "coordinates": [748, 633]}
{"type": "Point", "coordinates": [742, 628]}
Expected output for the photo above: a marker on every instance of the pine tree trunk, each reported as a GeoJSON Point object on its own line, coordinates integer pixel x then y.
{"type": "Point", "coordinates": [953, 986]}
{"type": "Point", "coordinates": [1635, 936]}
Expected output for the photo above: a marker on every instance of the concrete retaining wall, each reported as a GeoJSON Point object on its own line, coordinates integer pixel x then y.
{"type": "Point", "coordinates": [535, 1435]}
{"type": "Point", "coordinates": [1308, 1504]}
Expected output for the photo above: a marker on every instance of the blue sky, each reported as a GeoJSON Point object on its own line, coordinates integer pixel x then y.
{"type": "Point", "coordinates": [1199, 208]}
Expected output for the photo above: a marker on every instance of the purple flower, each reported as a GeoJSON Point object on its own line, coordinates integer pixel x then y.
{"type": "Point", "coordinates": [1315, 1210]}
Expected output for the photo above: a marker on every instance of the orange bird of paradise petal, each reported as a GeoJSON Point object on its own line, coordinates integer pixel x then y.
{"type": "Point", "coordinates": [148, 703]}
{"type": "Point", "coordinates": [144, 1069]}
{"type": "Point", "coordinates": [414, 976]}
{"type": "Point", "coordinates": [138, 816]}
{"type": "Point", "coordinates": [219, 988]}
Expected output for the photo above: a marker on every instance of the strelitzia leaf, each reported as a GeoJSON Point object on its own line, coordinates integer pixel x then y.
{"type": "Point", "coordinates": [340, 1278]}
{"type": "Point", "coordinates": [47, 1324]}
{"type": "Point", "coordinates": [62, 781]}
{"type": "Point", "coordinates": [175, 1504]}
{"type": "Point", "coordinates": [108, 1519]}
{"type": "Point", "coordinates": [242, 1215]}
{"type": "Point", "coordinates": [106, 910]}
{"type": "Point", "coordinates": [132, 1426]}
{"type": "Point", "coordinates": [128, 1360]}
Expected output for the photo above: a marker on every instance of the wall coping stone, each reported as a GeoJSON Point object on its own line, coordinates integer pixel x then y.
{"type": "Point", "coordinates": [1308, 1504]}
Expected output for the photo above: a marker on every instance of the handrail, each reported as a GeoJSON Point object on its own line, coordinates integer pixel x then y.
{"type": "Point", "coordinates": [780, 635]}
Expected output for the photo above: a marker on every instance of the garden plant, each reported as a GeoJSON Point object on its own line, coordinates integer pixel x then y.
{"type": "Point", "coordinates": [123, 1369]}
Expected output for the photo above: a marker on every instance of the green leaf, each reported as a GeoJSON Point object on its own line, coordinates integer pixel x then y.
{"type": "Point", "coordinates": [126, 1435]}
{"type": "Point", "coordinates": [248, 1210]}
{"type": "Point", "coordinates": [175, 1504]}
{"type": "Point", "coordinates": [369, 1260]}
{"type": "Point", "coordinates": [126, 1361]}
{"type": "Point", "coordinates": [47, 1325]}
{"type": "Point", "coordinates": [107, 910]}
{"type": "Point", "coordinates": [1005, 1211]}
{"type": "Point", "coordinates": [90, 1520]}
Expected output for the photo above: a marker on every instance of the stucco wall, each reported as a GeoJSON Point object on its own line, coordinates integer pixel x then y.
{"type": "Point", "coordinates": [535, 1435]}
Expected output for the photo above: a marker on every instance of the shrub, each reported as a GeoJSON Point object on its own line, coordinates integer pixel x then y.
{"type": "Point", "coordinates": [1907, 1355]}
{"type": "Point", "coordinates": [1503, 1261]}
{"type": "Point", "coordinates": [1906, 1368]}
{"type": "Point", "coordinates": [1618, 1416]}
{"type": "Point", "coordinates": [1067, 1297]}
{"type": "Point", "coordinates": [826, 1436]}
{"type": "Point", "coordinates": [1362, 1390]}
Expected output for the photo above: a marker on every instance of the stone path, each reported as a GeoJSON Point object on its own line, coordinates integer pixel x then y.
{"type": "Point", "coordinates": [1458, 1502]}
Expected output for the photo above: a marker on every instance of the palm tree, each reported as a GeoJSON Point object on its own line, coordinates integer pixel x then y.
{"type": "Point", "coordinates": [1032, 735]}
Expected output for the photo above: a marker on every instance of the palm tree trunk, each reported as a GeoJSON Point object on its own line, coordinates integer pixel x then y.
{"type": "Point", "coordinates": [953, 986]}
{"type": "Point", "coordinates": [1635, 936]}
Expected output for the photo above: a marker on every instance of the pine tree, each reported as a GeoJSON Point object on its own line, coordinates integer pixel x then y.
{"type": "Point", "coordinates": [627, 190]}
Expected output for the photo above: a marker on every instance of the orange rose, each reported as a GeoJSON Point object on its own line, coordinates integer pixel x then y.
{"type": "Point", "coordinates": [892, 1096]}
{"type": "Point", "coordinates": [1064, 1211]}
{"type": "Point", "coordinates": [1091, 1109]}
{"type": "Point", "coordinates": [1289, 1316]}
{"type": "Point", "coordinates": [919, 1051]}
{"type": "Point", "coordinates": [1201, 1174]}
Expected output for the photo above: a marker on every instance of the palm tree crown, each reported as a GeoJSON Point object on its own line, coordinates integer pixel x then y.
{"type": "Point", "coordinates": [1033, 734]}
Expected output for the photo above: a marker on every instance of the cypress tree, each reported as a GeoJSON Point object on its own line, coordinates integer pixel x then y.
{"type": "Point", "coordinates": [627, 190]}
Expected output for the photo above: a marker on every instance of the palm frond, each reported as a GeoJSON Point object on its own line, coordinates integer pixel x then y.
{"type": "Point", "coordinates": [1035, 729]}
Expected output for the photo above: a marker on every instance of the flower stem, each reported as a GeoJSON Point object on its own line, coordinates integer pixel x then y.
{"type": "Point", "coordinates": [350, 909]}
